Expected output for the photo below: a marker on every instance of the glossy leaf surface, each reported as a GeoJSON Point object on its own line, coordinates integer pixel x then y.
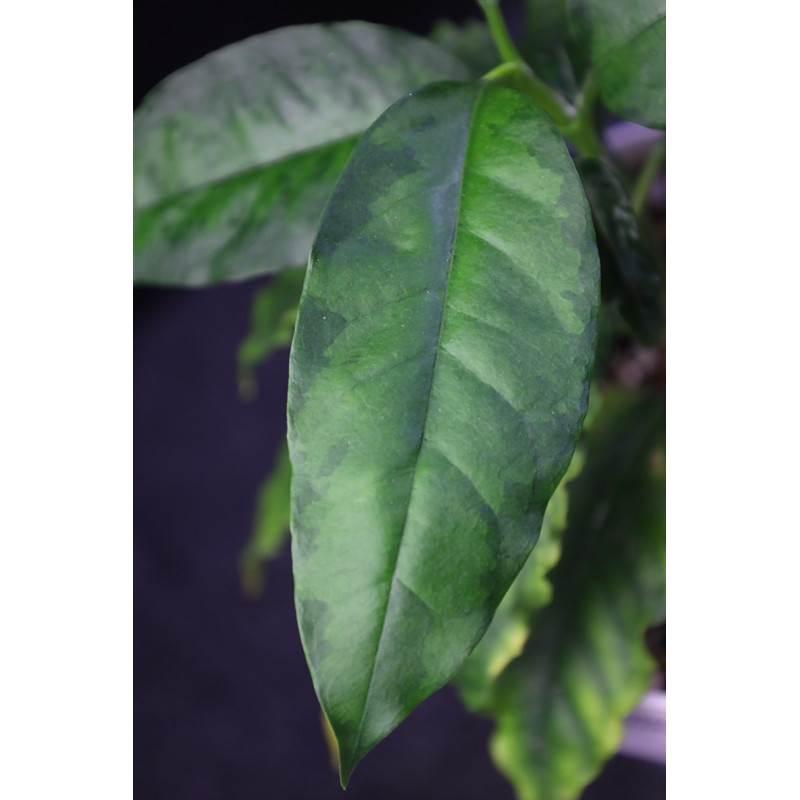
{"type": "Point", "coordinates": [560, 706]}
{"type": "Point", "coordinates": [627, 42]}
{"type": "Point", "coordinates": [630, 271]}
{"type": "Point", "coordinates": [438, 380]}
{"type": "Point", "coordinates": [271, 325]}
{"type": "Point", "coordinates": [235, 155]}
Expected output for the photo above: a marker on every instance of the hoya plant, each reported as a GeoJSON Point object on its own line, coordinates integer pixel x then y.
{"type": "Point", "coordinates": [463, 270]}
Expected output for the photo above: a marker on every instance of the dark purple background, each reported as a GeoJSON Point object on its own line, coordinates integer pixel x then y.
{"type": "Point", "coordinates": [224, 708]}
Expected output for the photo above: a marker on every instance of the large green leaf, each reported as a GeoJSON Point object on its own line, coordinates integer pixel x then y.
{"type": "Point", "coordinates": [438, 379]}
{"type": "Point", "coordinates": [235, 155]}
{"type": "Point", "coordinates": [630, 270]}
{"type": "Point", "coordinates": [560, 706]}
{"type": "Point", "coordinates": [627, 42]}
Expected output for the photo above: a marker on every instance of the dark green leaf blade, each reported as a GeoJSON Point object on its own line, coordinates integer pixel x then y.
{"type": "Point", "coordinates": [438, 380]}
{"type": "Point", "coordinates": [631, 272]}
{"type": "Point", "coordinates": [236, 154]}
{"type": "Point", "coordinates": [627, 42]}
{"type": "Point", "coordinates": [560, 706]}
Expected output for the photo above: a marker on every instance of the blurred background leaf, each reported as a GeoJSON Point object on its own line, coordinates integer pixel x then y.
{"type": "Point", "coordinates": [471, 41]}
{"type": "Point", "coordinates": [560, 706]}
{"type": "Point", "coordinates": [236, 154]}
{"type": "Point", "coordinates": [271, 526]}
{"type": "Point", "coordinates": [272, 321]}
{"type": "Point", "coordinates": [627, 43]}
{"type": "Point", "coordinates": [547, 46]}
{"type": "Point", "coordinates": [630, 269]}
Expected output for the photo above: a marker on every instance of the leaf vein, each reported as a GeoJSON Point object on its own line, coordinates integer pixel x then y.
{"type": "Point", "coordinates": [416, 594]}
{"type": "Point", "coordinates": [470, 480]}
{"type": "Point", "coordinates": [384, 368]}
{"type": "Point", "coordinates": [231, 177]}
{"type": "Point", "coordinates": [424, 425]}
{"type": "Point", "coordinates": [483, 381]}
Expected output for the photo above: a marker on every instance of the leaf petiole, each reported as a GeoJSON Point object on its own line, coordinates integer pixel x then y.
{"type": "Point", "coordinates": [497, 26]}
{"type": "Point", "coordinates": [576, 125]}
{"type": "Point", "coordinates": [520, 76]}
{"type": "Point", "coordinates": [580, 129]}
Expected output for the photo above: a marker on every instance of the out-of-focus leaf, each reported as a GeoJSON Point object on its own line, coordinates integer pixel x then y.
{"type": "Point", "coordinates": [510, 628]}
{"type": "Point", "coordinates": [627, 42]}
{"type": "Point", "coordinates": [647, 177]}
{"type": "Point", "coordinates": [630, 269]}
{"type": "Point", "coordinates": [271, 527]}
{"type": "Point", "coordinates": [236, 154]}
{"type": "Point", "coordinates": [438, 381]}
{"type": "Point", "coordinates": [545, 23]}
{"type": "Point", "coordinates": [471, 41]}
{"type": "Point", "coordinates": [271, 325]}
{"type": "Point", "coordinates": [611, 329]}
{"type": "Point", "coordinates": [560, 707]}
{"type": "Point", "coordinates": [547, 47]}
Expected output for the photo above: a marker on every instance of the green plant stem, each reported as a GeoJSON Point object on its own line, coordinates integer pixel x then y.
{"type": "Point", "coordinates": [576, 126]}
{"type": "Point", "coordinates": [646, 177]}
{"type": "Point", "coordinates": [502, 38]}
{"type": "Point", "coordinates": [521, 77]}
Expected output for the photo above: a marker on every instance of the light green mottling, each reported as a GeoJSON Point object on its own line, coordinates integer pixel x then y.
{"type": "Point", "coordinates": [236, 154]}
{"type": "Point", "coordinates": [506, 636]}
{"type": "Point", "coordinates": [443, 345]}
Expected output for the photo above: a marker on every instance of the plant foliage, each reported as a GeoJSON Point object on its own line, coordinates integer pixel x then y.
{"type": "Point", "coordinates": [449, 197]}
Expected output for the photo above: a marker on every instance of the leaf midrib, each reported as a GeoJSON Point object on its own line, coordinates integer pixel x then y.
{"type": "Point", "coordinates": [392, 580]}
{"type": "Point", "coordinates": [231, 177]}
